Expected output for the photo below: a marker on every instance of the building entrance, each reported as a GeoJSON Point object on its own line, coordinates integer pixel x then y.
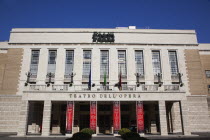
{"type": "Point", "coordinates": [58, 118]}
{"type": "Point", "coordinates": [105, 117]}
{"type": "Point", "coordinates": [105, 124]}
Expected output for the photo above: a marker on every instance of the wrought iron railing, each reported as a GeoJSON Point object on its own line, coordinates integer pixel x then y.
{"type": "Point", "coordinates": [107, 88]}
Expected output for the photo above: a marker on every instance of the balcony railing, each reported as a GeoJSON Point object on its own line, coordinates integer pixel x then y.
{"type": "Point", "coordinates": [107, 88]}
{"type": "Point", "coordinates": [174, 87]}
{"type": "Point", "coordinates": [150, 87]}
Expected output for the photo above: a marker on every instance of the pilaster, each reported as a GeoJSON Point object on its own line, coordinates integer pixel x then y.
{"type": "Point", "coordinates": [42, 68]}
{"type": "Point", "coordinates": [96, 66]}
{"type": "Point", "coordinates": [131, 67]}
{"type": "Point", "coordinates": [113, 57]}
{"type": "Point", "coordinates": [78, 65]}
{"type": "Point", "coordinates": [166, 69]}
{"type": "Point", "coordinates": [149, 75]}
{"type": "Point", "coordinates": [60, 66]}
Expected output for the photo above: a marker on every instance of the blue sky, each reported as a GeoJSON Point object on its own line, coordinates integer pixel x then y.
{"type": "Point", "coordinates": [153, 14]}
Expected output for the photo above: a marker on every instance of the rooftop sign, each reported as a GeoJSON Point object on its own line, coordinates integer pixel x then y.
{"type": "Point", "coordinates": [103, 37]}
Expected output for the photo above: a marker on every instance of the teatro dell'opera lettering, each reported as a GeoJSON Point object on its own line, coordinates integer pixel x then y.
{"type": "Point", "coordinates": [105, 95]}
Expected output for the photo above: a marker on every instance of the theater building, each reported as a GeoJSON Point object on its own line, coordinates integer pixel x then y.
{"type": "Point", "coordinates": [61, 80]}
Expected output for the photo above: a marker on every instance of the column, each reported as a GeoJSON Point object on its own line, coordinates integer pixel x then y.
{"type": "Point", "coordinates": [69, 117]}
{"type": "Point", "coordinates": [22, 127]}
{"type": "Point", "coordinates": [140, 117]}
{"type": "Point", "coordinates": [93, 115]}
{"type": "Point", "coordinates": [176, 117]}
{"type": "Point", "coordinates": [60, 66]}
{"type": "Point", "coordinates": [116, 117]}
{"type": "Point", "coordinates": [46, 118]}
{"type": "Point", "coordinates": [184, 117]}
{"type": "Point", "coordinates": [163, 122]}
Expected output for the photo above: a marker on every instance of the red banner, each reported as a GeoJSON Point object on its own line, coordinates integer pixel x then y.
{"type": "Point", "coordinates": [93, 115]}
{"type": "Point", "coordinates": [116, 116]}
{"type": "Point", "coordinates": [140, 116]}
{"type": "Point", "coordinates": [69, 116]}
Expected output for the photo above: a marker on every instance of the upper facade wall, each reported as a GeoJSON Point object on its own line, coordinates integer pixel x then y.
{"type": "Point", "coordinates": [124, 36]}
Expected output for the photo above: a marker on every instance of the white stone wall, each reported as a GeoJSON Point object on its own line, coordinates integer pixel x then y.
{"type": "Point", "coordinates": [136, 36]}
{"type": "Point", "coordinates": [113, 63]}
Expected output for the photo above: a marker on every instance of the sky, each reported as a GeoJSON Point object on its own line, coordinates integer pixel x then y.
{"type": "Point", "coordinates": [152, 14]}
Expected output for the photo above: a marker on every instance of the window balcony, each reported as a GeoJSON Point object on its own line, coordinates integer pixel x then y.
{"type": "Point", "coordinates": [101, 88]}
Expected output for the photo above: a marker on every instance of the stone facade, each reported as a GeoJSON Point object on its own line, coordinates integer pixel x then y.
{"type": "Point", "coordinates": [184, 104]}
{"type": "Point", "coordinates": [10, 66]}
{"type": "Point", "coordinates": [9, 113]}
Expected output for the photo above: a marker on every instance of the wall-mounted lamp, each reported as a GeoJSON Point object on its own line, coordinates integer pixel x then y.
{"type": "Point", "coordinates": [159, 75]}
{"type": "Point", "coordinates": [137, 79]}
{"type": "Point", "coordinates": [50, 75]}
{"type": "Point", "coordinates": [180, 79]}
{"type": "Point", "coordinates": [72, 78]}
{"type": "Point", "coordinates": [28, 74]}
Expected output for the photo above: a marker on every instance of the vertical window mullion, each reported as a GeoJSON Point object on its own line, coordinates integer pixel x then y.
{"type": "Point", "coordinates": [69, 64]}
{"type": "Point", "coordinates": [122, 63]}
{"type": "Point", "coordinates": [139, 62]}
{"type": "Point", "coordinates": [52, 61]}
{"type": "Point", "coordinates": [156, 62]}
{"type": "Point", "coordinates": [173, 63]}
{"type": "Point", "coordinates": [86, 63]}
{"type": "Point", "coordinates": [34, 63]}
{"type": "Point", "coordinates": [104, 63]}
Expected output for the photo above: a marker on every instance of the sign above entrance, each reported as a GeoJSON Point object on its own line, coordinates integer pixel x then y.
{"type": "Point", "coordinates": [105, 96]}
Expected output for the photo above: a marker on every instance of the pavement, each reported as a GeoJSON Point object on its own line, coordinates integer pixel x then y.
{"type": "Point", "coordinates": [194, 136]}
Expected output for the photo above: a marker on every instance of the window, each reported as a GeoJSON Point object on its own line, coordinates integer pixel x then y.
{"type": "Point", "coordinates": [208, 73]}
{"type": "Point", "coordinates": [122, 63]}
{"type": "Point", "coordinates": [86, 63]}
{"type": "Point", "coordinates": [156, 62]}
{"type": "Point", "coordinates": [34, 63]}
{"type": "Point", "coordinates": [139, 62]}
{"type": "Point", "coordinates": [173, 63]}
{"type": "Point", "coordinates": [69, 64]}
{"type": "Point", "coordinates": [52, 61]}
{"type": "Point", "coordinates": [104, 67]}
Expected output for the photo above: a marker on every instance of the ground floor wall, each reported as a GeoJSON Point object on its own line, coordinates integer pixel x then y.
{"type": "Point", "coordinates": [9, 113]}
{"type": "Point", "coordinates": [199, 118]}
{"type": "Point", "coordinates": [14, 114]}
